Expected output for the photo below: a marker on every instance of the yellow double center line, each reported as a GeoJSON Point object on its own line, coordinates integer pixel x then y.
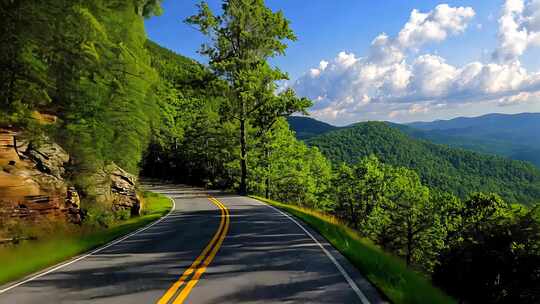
{"type": "Point", "coordinates": [191, 276]}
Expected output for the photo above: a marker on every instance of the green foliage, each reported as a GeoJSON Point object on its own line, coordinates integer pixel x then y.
{"type": "Point", "coordinates": [413, 229]}
{"type": "Point", "coordinates": [243, 38]}
{"type": "Point", "coordinates": [495, 256]}
{"type": "Point", "coordinates": [391, 207]}
{"type": "Point", "coordinates": [85, 63]}
{"type": "Point", "coordinates": [148, 8]}
{"type": "Point", "coordinates": [24, 81]}
{"type": "Point", "coordinates": [480, 250]}
{"type": "Point", "coordinates": [190, 142]}
{"type": "Point", "coordinates": [286, 169]}
{"type": "Point", "coordinates": [98, 217]}
{"type": "Point", "coordinates": [440, 167]}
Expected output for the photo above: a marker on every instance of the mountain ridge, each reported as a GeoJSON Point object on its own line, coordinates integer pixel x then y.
{"type": "Point", "coordinates": [494, 134]}
{"type": "Point", "coordinates": [441, 167]}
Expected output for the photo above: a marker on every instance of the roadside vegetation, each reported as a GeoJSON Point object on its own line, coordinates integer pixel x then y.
{"type": "Point", "coordinates": [481, 249]}
{"type": "Point", "coordinates": [18, 260]}
{"type": "Point", "coordinates": [389, 274]}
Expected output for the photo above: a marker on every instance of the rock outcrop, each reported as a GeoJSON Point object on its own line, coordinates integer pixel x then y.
{"type": "Point", "coordinates": [115, 186]}
{"type": "Point", "coordinates": [123, 187]}
{"type": "Point", "coordinates": [32, 187]}
{"type": "Point", "coordinates": [49, 158]}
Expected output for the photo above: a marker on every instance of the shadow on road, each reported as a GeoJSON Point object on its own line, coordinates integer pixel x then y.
{"type": "Point", "coordinates": [264, 257]}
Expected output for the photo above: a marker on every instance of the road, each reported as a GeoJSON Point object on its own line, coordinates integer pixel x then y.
{"type": "Point", "coordinates": [230, 249]}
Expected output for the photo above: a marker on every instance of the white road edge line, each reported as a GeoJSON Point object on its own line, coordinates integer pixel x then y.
{"type": "Point", "coordinates": [62, 265]}
{"type": "Point", "coordinates": [344, 273]}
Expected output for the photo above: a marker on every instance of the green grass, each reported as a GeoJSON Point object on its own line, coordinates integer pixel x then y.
{"type": "Point", "coordinates": [388, 273]}
{"type": "Point", "coordinates": [20, 260]}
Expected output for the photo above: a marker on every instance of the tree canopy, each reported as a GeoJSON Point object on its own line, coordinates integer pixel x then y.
{"type": "Point", "coordinates": [243, 38]}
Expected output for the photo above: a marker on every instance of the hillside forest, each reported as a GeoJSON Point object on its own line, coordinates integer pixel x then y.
{"type": "Point", "coordinates": [118, 98]}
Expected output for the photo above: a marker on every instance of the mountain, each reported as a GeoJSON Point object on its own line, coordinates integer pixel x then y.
{"type": "Point", "coordinates": [306, 127]}
{"type": "Point", "coordinates": [442, 167]}
{"type": "Point", "coordinates": [515, 136]}
{"type": "Point", "coordinates": [508, 123]}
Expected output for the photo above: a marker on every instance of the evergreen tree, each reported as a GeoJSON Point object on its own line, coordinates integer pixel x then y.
{"type": "Point", "coordinates": [242, 39]}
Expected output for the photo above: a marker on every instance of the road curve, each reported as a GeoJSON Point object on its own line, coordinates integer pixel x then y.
{"type": "Point", "coordinates": [226, 249]}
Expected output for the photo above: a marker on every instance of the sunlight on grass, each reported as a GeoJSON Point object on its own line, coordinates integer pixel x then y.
{"type": "Point", "coordinates": [20, 260]}
{"type": "Point", "coordinates": [388, 273]}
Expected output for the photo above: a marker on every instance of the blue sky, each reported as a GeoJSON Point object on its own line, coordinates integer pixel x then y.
{"type": "Point", "coordinates": [474, 37]}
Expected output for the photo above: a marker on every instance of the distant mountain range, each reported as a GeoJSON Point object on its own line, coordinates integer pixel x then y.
{"type": "Point", "coordinates": [442, 167]}
{"type": "Point", "coordinates": [515, 136]}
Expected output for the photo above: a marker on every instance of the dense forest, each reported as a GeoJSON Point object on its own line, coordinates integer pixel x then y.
{"type": "Point", "coordinates": [440, 167]}
{"type": "Point", "coordinates": [84, 63]}
{"type": "Point", "coordinates": [122, 99]}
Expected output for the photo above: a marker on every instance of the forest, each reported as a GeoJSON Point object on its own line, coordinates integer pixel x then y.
{"type": "Point", "coordinates": [120, 98]}
{"type": "Point", "coordinates": [440, 167]}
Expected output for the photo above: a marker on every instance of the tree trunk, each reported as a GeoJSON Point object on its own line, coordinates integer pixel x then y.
{"type": "Point", "coordinates": [267, 189]}
{"type": "Point", "coordinates": [243, 158]}
{"type": "Point", "coordinates": [267, 181]}
{"type": "Point", "coordinates": [409, 243]}
{"type": "Point", "coordinates": [354, 220]}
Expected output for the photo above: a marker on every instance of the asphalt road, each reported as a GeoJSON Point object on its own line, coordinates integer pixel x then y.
{"type": "Point", "coordinates": [233, 250]}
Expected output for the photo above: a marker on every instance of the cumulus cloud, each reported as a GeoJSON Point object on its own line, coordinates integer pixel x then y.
{"type": "Point", "coordinates": [388, 82]}
{"type": "Point", "coordinates": [421, 28]}
{"type": "Point", "coordinates": [513, 36]}
{"type": "Point", "coordinates": [519, 28]}
{"type": "Point", "coordinates": [435, 25]}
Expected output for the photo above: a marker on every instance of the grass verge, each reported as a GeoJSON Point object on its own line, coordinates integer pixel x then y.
{"type": "Point", "coordinates": [28, 257]}
{"type": "Point", "coordinates": [388, 273]}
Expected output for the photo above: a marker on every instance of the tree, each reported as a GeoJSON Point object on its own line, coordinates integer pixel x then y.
{"type": "Point", "coordinates": [495, 256]}
{"type": "Point", "coordinates": [148, 8]}
{"type": "Point", "coordinates": [282, 105]}
{"type": "Point", "coordinates": [343, 194]}
{"type": "Point", "coordinates": [24, 82]}
{"type": "Point", "coordinates": [359, 191]}
{"type": "Point", "coordinates": [292, 172]}
{"type": "Point", "coordinates": [415, 230]}
{"type": "Point", "coordinates": [242, 39]}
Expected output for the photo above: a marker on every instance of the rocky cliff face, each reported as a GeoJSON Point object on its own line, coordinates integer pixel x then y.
{"type": "Point", "coordinates": [33, 187]}
{"type": "Point", "coordinates": [31, 184]}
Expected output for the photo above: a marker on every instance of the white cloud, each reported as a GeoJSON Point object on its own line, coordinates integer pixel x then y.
{"type": "Point", "coordinates": [314, 73]}
{"type": "Point", "coordinates": [532, 15]}
{"type": "Point", "coordinates": [519, 28]}
{"type": "Point", "coordinates": [519, 98]}
{"type": "Point", "coordinates": [421, 28]}
{"type": "Point", "coordinates": [345, 60]}
{"type": "Point", "coordinates": [432, 76]}
{"type": "Point", "coordinates": [388, 84]}
{"type": "Point", "coordinates": [435, 25]}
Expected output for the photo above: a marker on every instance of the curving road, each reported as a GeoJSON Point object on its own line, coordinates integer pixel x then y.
{"type": "Point", "coordinates": [226, 249]}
